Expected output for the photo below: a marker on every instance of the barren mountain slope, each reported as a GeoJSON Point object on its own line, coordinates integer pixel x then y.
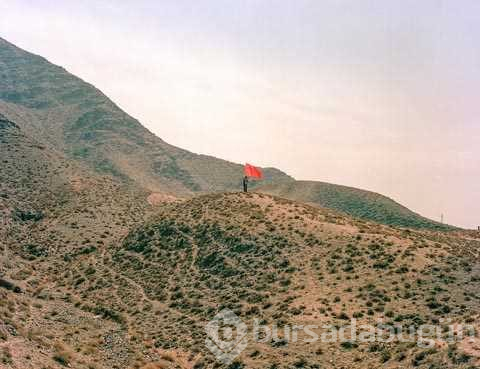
{"type": "Point", "coordinates": [53, 213]}
{"type": "Point", "coordinates": [76, 118]}
{"type": "Point", "coordinates": [95, 274]}
{"type": "Point", "coordinates": [285, 263]}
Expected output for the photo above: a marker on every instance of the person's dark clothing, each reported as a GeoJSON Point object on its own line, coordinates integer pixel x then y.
{"type": "Point", "coordinates": [245, 184]}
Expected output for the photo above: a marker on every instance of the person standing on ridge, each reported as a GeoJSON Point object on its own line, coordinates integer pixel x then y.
{"type": "Point", "coordinates": [245, 184]}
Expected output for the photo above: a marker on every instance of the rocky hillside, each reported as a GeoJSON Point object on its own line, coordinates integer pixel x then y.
{"type": "Point", "coordinates": [290, 264]}
{"type": "Point", "coordinates": [104, 280]}
{"type": "Point", "coordinates": [54, 215]}
{"type": "Point", "coordinates": [93, 276]}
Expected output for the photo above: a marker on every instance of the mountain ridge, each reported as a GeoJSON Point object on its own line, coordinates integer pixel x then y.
{"type": "Point", "coordinates": [74, 117]}
{"type": "Point", "coordinates": [358, 203]}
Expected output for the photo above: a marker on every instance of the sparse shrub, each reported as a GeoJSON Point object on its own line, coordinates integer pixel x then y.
{"type": "Point", "coordinates": [62, 354]}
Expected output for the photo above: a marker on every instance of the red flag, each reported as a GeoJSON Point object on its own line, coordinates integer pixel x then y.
{"type": "Point", "coordinates": [253, 172]}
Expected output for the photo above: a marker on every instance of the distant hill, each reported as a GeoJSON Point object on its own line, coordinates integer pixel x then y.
{"type": "Point", "coordinates": [78, 119]}
{"type": "Point", "coordinates": [74, 118]}
{"type": "Point", "coordinates": [353, 201]}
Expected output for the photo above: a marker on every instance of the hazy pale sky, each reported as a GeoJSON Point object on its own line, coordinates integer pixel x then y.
{"type": "Point", "coordinates": [380, 95]}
